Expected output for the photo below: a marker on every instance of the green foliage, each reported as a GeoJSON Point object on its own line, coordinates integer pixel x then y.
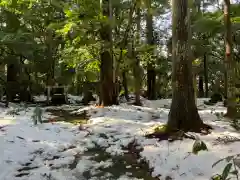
{"type": "Point", "coordinates": [226, 171]}
{"type": "Point", "coordinates": [208, 24]}
{"type": "Point", "coordinates": [199, 146]}
{"type": "Point", "coordinates": [233, 163]}
{"type": "Point", "coordinates": [48, 33]}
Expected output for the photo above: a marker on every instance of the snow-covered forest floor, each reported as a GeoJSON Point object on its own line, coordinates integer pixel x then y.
{"type": "Point", "coordinates": [110, 144]}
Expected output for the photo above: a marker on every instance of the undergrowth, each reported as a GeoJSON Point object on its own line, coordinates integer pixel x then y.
{"type": "Point", "coordinates": [230, 170]}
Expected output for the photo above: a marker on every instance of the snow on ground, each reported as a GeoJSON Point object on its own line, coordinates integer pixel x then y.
{"type": "Point", "coordinates": [40, 98]}
{"type": "Point", "coordinates": [74, 99]}
{"type": "Point", "coordinates": [59, 150]}
{"type": "Point", "coordinates": [71, 98]}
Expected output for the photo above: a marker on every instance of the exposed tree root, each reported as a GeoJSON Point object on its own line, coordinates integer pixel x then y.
{"type": "Point", "coordinates": [99, 106]}
{"type": "Point", "coordinates": [231, 115]}
{"type": "Point", "coordinates": [137, 103]}
{"type": "Point", "coordinates": [172, 135]}
{"type": "Point", "coordinates": [179, 135]}
{"type": "Point", "coordinates": [22, 174]}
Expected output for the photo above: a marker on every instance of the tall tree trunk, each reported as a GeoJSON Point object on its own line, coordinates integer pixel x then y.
{"type": "Point", "coordinates": [136, 66]}
{"type": "Point", "coordinates": [50, 73]}
{"type": "Point", "coordinates": [151, 74]}
{"type": "Point", "coordinates": [106, 67]}
{"type": "Point", "coordinates": [200, 86]}
{"type": "Point", "coordinates": [197, 5]}
{"type": "Point", "coordinates": [183, 113]}
{"type": "Point", "coordinates": [230, 67]}
{"type": "Point", "coordinates": [12, 25]}
{"type": "Point", "coordinates": [26, 85]}
{"type": "Point", "coordinates": [50, 57]}
{"type": "Point", "coordinates": [205, 65]}
{"type": "Point", "coordinates": [125, 85]}
{"type": "Point", "coordinates": [194, 85]}
{"type": "Point", "coordinates": [12, 85]}
{"type": "Point", "coordinates": [225, 74]}
{"type": "Point", "coordinates": [115, 76]}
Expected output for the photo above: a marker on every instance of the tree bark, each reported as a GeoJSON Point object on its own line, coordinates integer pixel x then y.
{"type": "Point", "coordinates": [183, 113]}
{"type": "Point", "coordinates": [106, 66]}
{"type": "Point", "coordinates": [205, 64]}
{"type": "Point", "coordinates": [225, 81]}
{"type": "Point", "coordinates": [151, 74]}
{"type": "Point", "coordinates": [230, 65]}
{"type": "Point", "coordinates": [50, 50]}
{"type": "Point", "coordinates": [200, 86]}
{"type": "Point", "coordinates": [12, 85]}
{"type": "Point", "coordinates": [194, 85]}
{"type": "Point", "coordinates": [125, 85]}
{"type": "Point", "coordinates": [136, 66]}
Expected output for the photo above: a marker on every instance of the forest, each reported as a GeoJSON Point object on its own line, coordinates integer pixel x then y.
{"type": "Point", "coordinates": [120, 89]}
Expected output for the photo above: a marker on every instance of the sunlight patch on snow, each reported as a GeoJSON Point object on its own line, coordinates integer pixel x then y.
{"type": "Point", "coordinates": [6, 121]}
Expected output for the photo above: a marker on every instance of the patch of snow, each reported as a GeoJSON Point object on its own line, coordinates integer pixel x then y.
{"type": "Point", "coordinates": [74, 99]}
{"type": "Point", "coordinates": [40, 98]}
{"type": "Point", "coordinates": [50, 148]}
{"type": "Point", "coordinates": [71, 98]}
